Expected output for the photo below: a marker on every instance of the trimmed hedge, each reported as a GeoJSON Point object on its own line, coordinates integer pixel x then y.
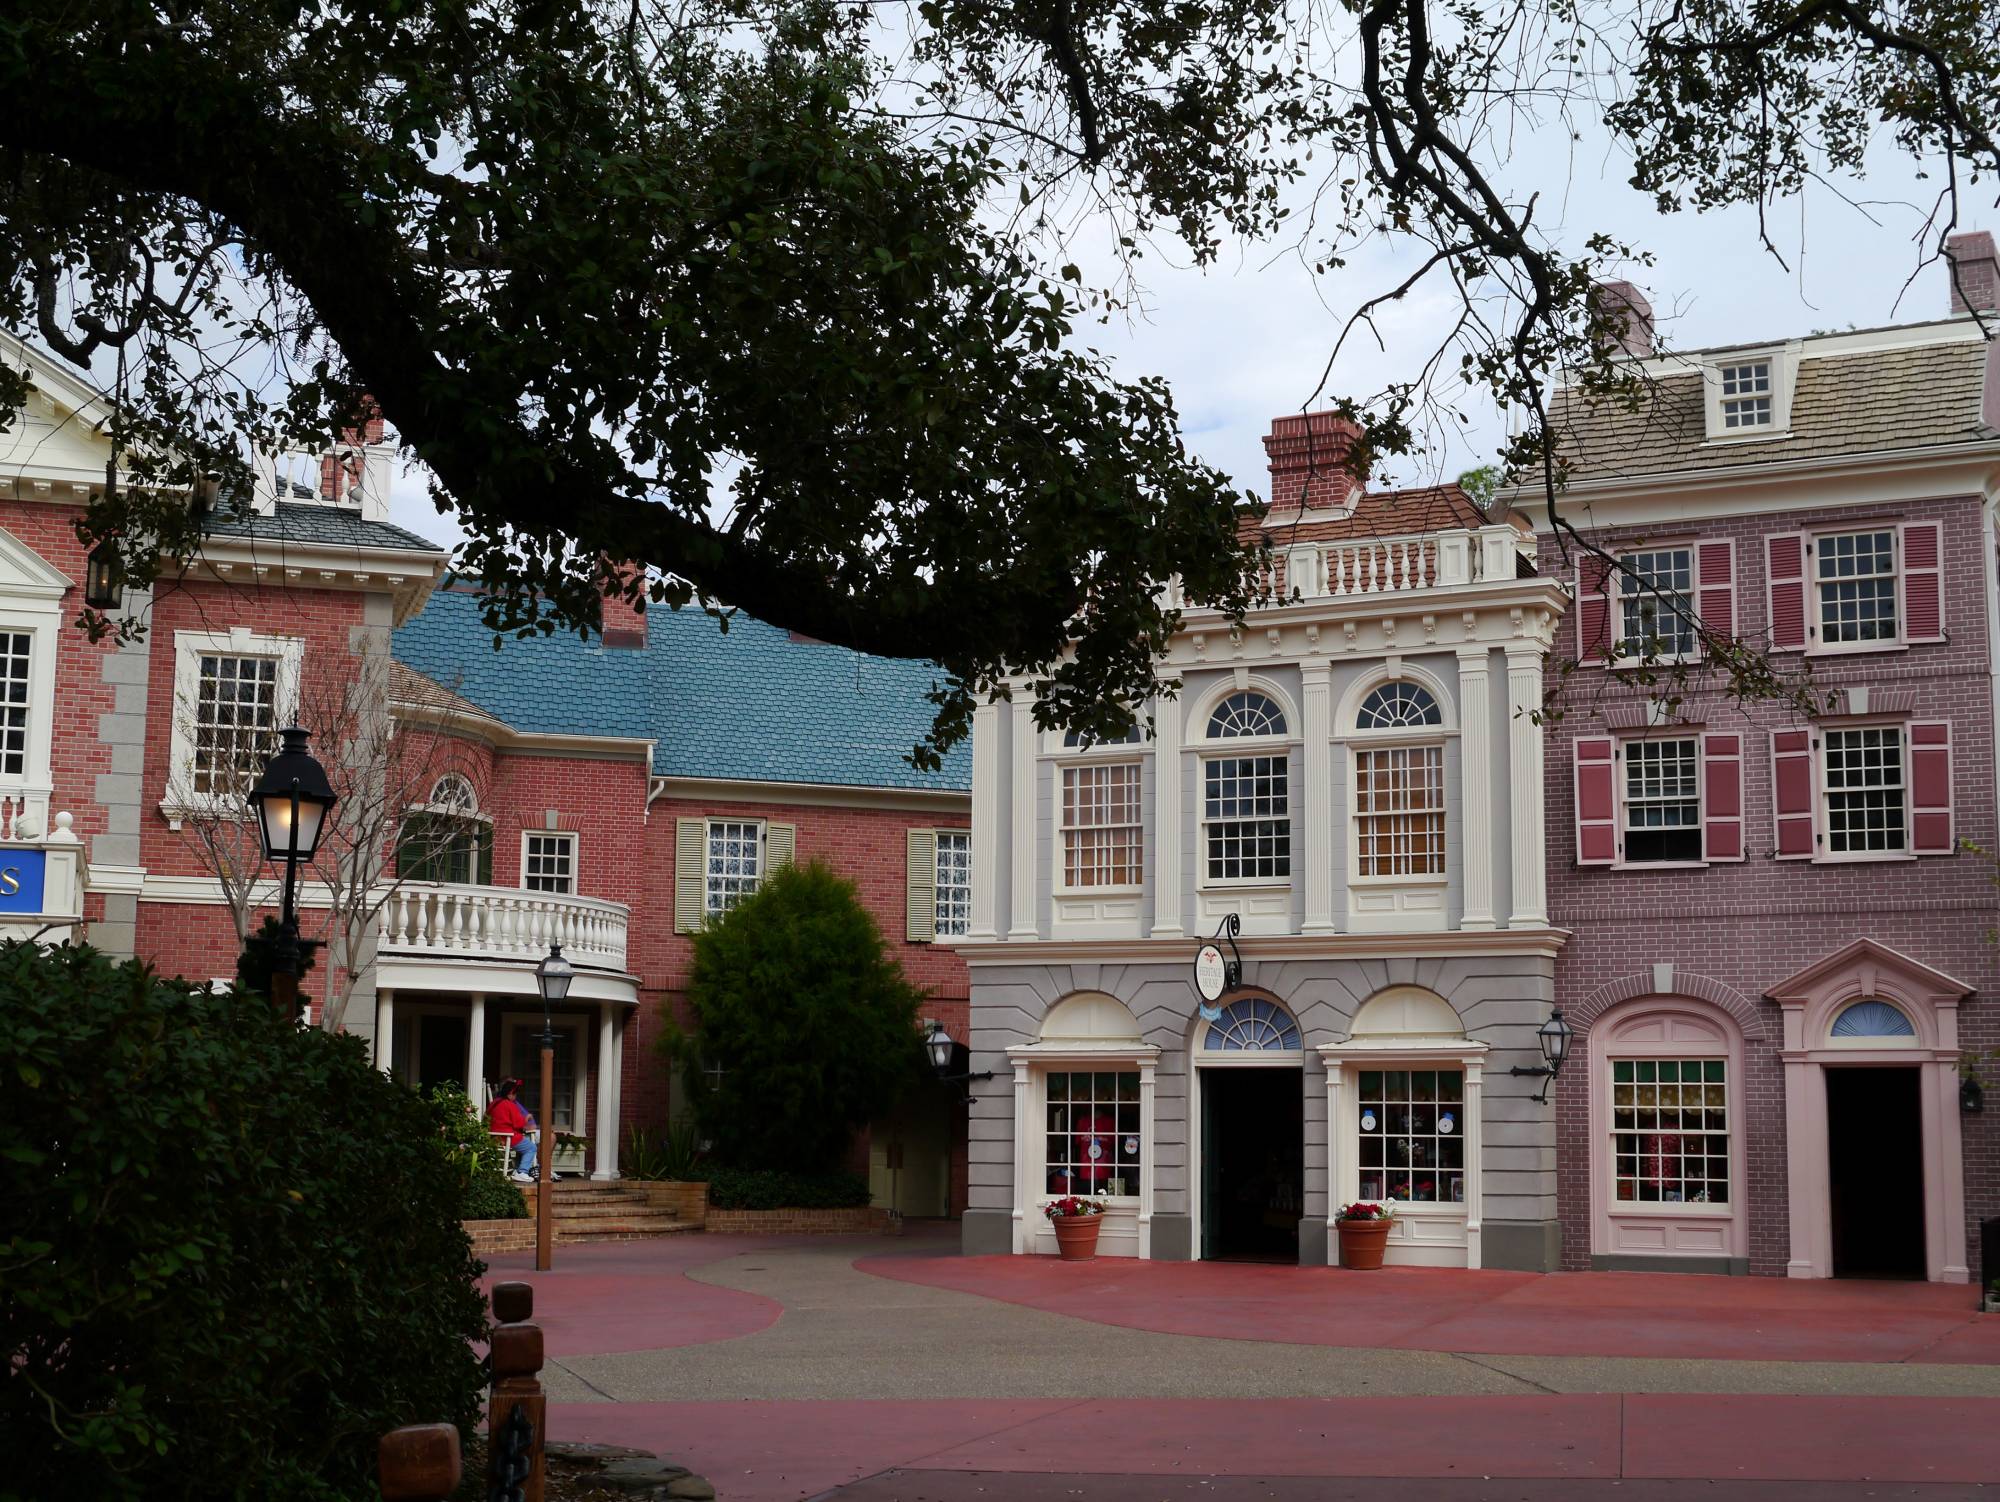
{"type": "Point", "coordinates": [768, 1189]}
{"type": "Point", "coordinates": [230, 1255]}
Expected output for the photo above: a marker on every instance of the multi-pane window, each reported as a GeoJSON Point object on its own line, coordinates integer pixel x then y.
{"type": "Point", "coordinates": [16, 650]}
{"type": "Point", "coordinates": [548, 863]}
{"type": "Point", "coordinates": [1103, 845]}
{"type": "Point", "coordinates": [1746, 394]}
{"type": "Point", "coordinates": [1670, 1131]}
{"type": "Point", "coordinates": [1856, 574]}
{"type": "Point", "coordinates": [1864, 789]}
{"type": "Point", "coordinates": [235, 722]}
{"type": "Point", "coordinates": [528, 1070]}
{"type": "Point", "coordinates": [954, 883]}
{"type": "Point", "coordinates": [1662, 801]}
{"type": "Point", "coordinates": [1655, 601]}
{"type": "Point", "coordinates": [1412, 1136]}
{"type": "Point", "coordinates": [1399, 810]}
{"type": "Point", "coordinates": [735, 861]}
{"type": "Point", "coordinates": [1093, 1132]}
{"type": "Point", "coordinates": [1246, 817]}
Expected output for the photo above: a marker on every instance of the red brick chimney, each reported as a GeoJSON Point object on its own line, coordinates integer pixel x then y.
{"type": "Point", "coordinates": [343, 466]}
{"type": "Point", "coordinates": [1312, 459]}
{"type": "Point", "coordinates": [624, 624]}
{"type": "Point", "coordinates": [1975, 272]}
{"type": "Point", "coordinates": [1626, 305]}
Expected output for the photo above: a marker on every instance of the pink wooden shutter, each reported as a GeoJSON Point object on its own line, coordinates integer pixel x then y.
{"type": "Point", "coordinates": [1715, 601]}
{"type": "Point", "coordinates": [1792, 793]}
{"type": "Point", "coordinates": [1930, 787]}
{"type": "Point", "coordinates": [1593, 609]}
{"type": "Point", "coordinates": [1785, 573]}
{"type": "Point", "coordinates": [1923, 607]}
{"type": "Point", "coordinates": [1596, 802]}
{"type": "Point", "coordinates": [1722, 797]}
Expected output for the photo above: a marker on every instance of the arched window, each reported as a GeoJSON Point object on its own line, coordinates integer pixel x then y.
{"type": "Point", "coordinates": [1251, 1026]}
{"type": "Point", "coordinates": [453, 794]}
{"type": "Point", "coordinates": [1245, 714]}
{"type": "Point", "coordinates": [1398, 706]}
{"type": "Point", "coordinates": [447, 839]}
{"type": "Point", "coordinates": [1872, 1019]}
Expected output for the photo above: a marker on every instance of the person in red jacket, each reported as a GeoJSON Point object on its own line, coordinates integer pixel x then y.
{"type": "Point", "coordinates": [506, 1115]}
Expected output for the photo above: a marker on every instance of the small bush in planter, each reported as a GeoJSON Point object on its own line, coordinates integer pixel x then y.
{"type": "Point", "coordinates": [1368, 1210]}
{"type": "Point", "coordinates": [674, 1154]}
{"type": "Point", "coordinates": [488, 1193]}
{"type": "Point", "coordinates": [766, 1189]}
{"type": "Point", "coordinates": [1070, 1206]}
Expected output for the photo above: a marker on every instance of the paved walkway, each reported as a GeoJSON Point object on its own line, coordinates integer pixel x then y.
{"type": "Point", "coordinates": [786, 1369]}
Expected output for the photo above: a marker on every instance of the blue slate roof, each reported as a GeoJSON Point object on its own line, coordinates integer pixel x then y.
{"type": "Point", "coordinates": [752, 703]}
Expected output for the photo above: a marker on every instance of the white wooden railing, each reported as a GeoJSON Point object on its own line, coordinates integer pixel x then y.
{"type": "Point", "coordinates": [499, 923]}
{"type": "Point", "coordinates": [1353, 567]}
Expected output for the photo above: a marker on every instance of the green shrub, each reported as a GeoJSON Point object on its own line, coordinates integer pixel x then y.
{"type": "Point", "coordinates": [487, 1192]}
{"type": "Point", "coordinates": [673, 1154]}
{"type": "Point", "coordinates": [805, 1028]}
{"type": "Point", "coordinates": [230, 1256]}
{"type": "Point", "coordinates": [768, 1189]}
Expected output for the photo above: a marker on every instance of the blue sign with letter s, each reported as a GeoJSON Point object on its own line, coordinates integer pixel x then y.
{"type": "Point", "coordinates": [23, 874]}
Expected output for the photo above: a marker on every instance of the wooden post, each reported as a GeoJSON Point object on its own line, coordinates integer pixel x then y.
{"type": "Point", "coordinates": [545, 1209]}
{"type": "Point", "coordinates": [419, 1463]}
{"type": "Point", "coordinates": [513, 1302]}
{"type": "Point", "coordinates": [517, 1364]}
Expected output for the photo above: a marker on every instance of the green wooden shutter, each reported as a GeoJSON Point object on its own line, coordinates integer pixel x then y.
{"type": "Point", "coordinates": [414, 859]}
{"type": "Point", "coordinates": [690, 874]}
{"type": "Point", "coordinates": [483, 868]}
{"type": "Point", "coordinates": [920, 895]}
{"type": "Point", "coordinates": [781, 842]}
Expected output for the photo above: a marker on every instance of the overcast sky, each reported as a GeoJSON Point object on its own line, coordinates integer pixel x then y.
{"type": "Point", "coordinates": [1247, 340]}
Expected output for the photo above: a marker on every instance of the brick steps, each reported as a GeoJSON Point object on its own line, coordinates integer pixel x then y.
{"type": "Point", "coordinates": [587, 1211]}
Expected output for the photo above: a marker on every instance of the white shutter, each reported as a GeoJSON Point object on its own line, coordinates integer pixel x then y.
{"type": "Point", "coordinates": [690, 874]}
{"type": "Point", "coordinates": [920, 892]}
{"type": "Point", "coordinates": [780, 843]}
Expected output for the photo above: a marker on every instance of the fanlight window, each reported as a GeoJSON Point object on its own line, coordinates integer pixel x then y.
{"type": "Point", "coordinates": [453, 794]}
{"type": "Point", "coordinates": [1872, 1019]}
{"type": "Point", "coordinates": [1244, 714]}
{"type": "Point", "coordinates": [1252, 1026]}
{"type": "Point", "coordinates": [1399, 706]}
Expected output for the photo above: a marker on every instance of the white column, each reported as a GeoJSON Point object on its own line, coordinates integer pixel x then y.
{"type": "Point", "coordinates": [1475, 785]}
{"type": "Point", "coordinates": [607, 1091]}
{"type": "Point", "coordinates": [1151, 1152]}
{"type": "Point", "coordinates": [385, 1029]}
{"type": "Point", "coordinates": [1167, 812]}
{"type": "Point", "coordinates": [1023, 816]}
{"type": "Point", "coordinates": [1524, 764]}
{"type": "Point", "coordinates": [475, 1054]}
{"type": "Point", "coordinates": [1335, 1141]}
{"type": "Point", "coordinates": [1027, 1138]}
{"type": "Point", "coordinates": [1315, 803]}
{"type": "Point", "coordinates": [987, 830]}
{"type": "Point", "coordinates": [1475, 1146]}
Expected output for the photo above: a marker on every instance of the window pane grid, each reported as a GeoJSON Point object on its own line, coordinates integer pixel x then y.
{"type": "Point", "coordinates": [1398, 706]}
{"type": "Point", "coordinates": [1656, 602]}
{"type": "Point", "coordinates": [735, 860]}
{"type": "Point", "coordinates": [1670, 1131]}
{"type": "Point", "coordinates": [1411, 1143]}
{"type": "Point", "coordinates": [1662, 801]}
{"type": "Point", "coordinates": [235, 722]}
{"type": "Point", "coordinates": [1247, 817]}
{"type": "Point", "coordinates": [1399, 810]}
{"type": "Point", "coordinates": [16, 651]}
{"type": "Point", "coordinates": [1247, 713]}
{"type": "Point", "coordinates": [1857, 586]}
{"type": "Point", "coordinates": [1864, 789]}
{"type": "Point", "coordinates": [1746, 394]}
{"type": "Point", "coordinates": [1102, 842]}
{"type": "Point", "coordinates": [954, 884]}
{"type": "Point", "coordinates": [549, 863]}
{"type": "Point", "coordinates": [1093, 1145]}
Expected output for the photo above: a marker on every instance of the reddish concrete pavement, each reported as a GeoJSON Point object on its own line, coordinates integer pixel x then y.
{"type": "Point", "coordinates": [1436, 1309]}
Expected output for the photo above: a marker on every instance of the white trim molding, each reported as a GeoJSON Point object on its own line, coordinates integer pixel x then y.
{"type": "Point", "coordinates": [189, 648]}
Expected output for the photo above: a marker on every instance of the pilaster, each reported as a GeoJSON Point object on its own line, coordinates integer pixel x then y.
{"type": "Point", "coordinates": [1023, 817]}
{"type": "Point", "coordinates": [1475, 784]}
{"type": "Point", "coordinates": [1524, 765]}
{"type": "Point", "coordinates": [1167, 815]}
{"type": "Point", "coordinates": [1316, 797]}
{"type": "Point", "coordinates": [987, 830]}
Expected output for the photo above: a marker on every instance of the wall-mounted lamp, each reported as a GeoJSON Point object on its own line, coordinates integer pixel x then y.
{"type": "Point", "coordinates": [1554, 1036]}
{"type": "Point", "coordinates": [952, 1060]}
{"type": "Point", "coordinates": [104, 577]}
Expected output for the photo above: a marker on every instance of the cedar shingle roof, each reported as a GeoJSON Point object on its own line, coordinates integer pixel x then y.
{"type": "Point", "coordinates": [408, 686]}
{"type": "Point", "coordinates": [1380, 513]}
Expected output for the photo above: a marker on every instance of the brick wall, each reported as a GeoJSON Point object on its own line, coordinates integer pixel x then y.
{"type": "Point", "coordinates": [1749, 925]}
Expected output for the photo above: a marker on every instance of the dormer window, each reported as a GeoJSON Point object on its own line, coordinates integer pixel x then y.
{"type": "Point", "coordinates": [1746, 394]}
{"type": "Point", "coordinates": [1749, 394]}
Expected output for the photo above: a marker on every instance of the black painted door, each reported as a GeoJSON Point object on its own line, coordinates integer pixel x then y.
{"type": "Point", "coordinates": [1875, 1145]}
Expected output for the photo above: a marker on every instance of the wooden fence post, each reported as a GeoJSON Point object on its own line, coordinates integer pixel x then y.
{"type": "Point", "coordinates": [517, 1416]}
{"type": "Point", "coordinates": [419, 1463]}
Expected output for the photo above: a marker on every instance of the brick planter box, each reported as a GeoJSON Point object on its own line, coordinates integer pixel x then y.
{"type": "Point", "coordinates": [490, 1236]}
{"type": "Point", "coordinates": [688, 1199]}
{"type": "Point", "coordinates": [860, 1219]}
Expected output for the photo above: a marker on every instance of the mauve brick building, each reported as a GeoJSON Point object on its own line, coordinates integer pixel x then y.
{"type": "Point", "coordinates": [1779, 946]}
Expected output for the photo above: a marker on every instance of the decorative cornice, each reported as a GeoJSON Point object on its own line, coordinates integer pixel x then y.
{"type": "Point", "coordinates": [1545, 942]}
{"type": "Point", "coordinates": [956, 801]}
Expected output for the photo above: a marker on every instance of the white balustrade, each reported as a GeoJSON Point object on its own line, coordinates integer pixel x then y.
{"type": "Point", "coordinates": [1385, 565]}
{"type": "Point", "coordinates": [474, 922]}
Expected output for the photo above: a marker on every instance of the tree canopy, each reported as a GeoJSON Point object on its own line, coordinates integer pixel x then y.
{"type": "Point", "coordinates": [778, 299]}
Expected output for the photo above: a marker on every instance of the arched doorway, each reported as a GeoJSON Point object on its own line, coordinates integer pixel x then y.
{"type": "Point", "coordinates": [1249, 1103]}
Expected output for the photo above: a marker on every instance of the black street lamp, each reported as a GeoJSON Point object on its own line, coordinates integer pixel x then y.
{"type": "Point", "coordinates": [291, 801]}
{"type": "Point", "coordinates": [952, 1060]}
{"type": "Point", "coordinates": [552, 976]}
{"type": "Point", "coordinates": [104, 577]}
{"type": "Point", "coordinates": [1554, 1036]}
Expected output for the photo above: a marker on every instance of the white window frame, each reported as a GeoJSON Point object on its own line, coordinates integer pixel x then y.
{"type": "Point", "coordinates": [1092, 760]}
{"type": "Point", "coordinates": [710, 910]}
{"type": "Point", "coordinates": [1816, 643]}
{"type": "Point", "coordinates": [31, 602]}
{"type": "Point", "coordinates": [1635, 1054]}
{"type": "Point", "coordinates": [566, 836]}
{"type": "Point", "coordinates": [1243, 748]}
{"type": "Point", "coordinates": [1615, 595]}
{"type": "Point", "coordinates": [189, 648]}
{"type": "Point", "coordinates": [1621, 785]}
{"type": "Point", "coordinates": [1824, 853]}
{"type": "Point", "coordinates": [1783, 361]}
{"type": "Point", "coordinates": [581, 1058]}
{"type": "Point", "coordinates": [939, 836]}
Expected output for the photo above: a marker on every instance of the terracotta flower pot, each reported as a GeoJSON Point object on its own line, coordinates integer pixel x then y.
{"type": "Point", "coordinates": [1076, 1236]}
{"type": "Point", "coordinates": [1362, 1242]}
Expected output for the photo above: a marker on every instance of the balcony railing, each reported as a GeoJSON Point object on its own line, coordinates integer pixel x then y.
{"type": "Point", "coordinates": [1372, 566]}
{"type": "Point", "coordinates": [499, 923]}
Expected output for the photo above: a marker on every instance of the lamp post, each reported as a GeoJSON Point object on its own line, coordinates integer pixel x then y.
{"type": "Point", "coordinates": [1554, 1036]}
{"type": "Point", "coordinates": [553, 976]}
{"type": "Point", "coordinates": [291, 801]}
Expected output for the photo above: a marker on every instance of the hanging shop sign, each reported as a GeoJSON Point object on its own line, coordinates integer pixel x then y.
{"type": "Point", "coordinates": [1216, 975]}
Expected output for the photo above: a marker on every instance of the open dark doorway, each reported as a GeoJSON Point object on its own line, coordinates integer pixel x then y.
{"type": "Point", "coordinates": [441, 1044]}
{"type": "Point", "coordinates": [1875, 1172]}
{"type": "Point", "coordinates": [1252, 1164]}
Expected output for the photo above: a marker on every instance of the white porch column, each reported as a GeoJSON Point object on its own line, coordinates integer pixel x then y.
{"type": "Point", "coordinates": [1524, 765]}
{"type": "Point", "coordinates": [1023, 817]}
{"type": "Point", "coordinates": [1475, 1145]}
{"type": "Point", "coordinates": [475, 1054]}
{"type": "Point", "coordinates": [1167, 717]}
{"type": "Point", "coordinates": [607, 1091]}
{"type": "Point", "coordinates": [987, 830]}
{"type": "Point", "coordinates": [385, 1029]}
{"type": "Point", "coordinates": [1475, 784]}
{"type": "Point", "coordinates": [1316, 801]}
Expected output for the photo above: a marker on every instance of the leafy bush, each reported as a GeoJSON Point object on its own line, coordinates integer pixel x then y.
{"type": "Point", "coordinates": [805, 1027]}
{"type": "Point", "coordinates": [767, 1189]}
{"type": "Point", "coordinates": [487, 1194]}
{"type": "Point", "coordinates": [673, 1154]}
{"type": "Point", "coordinates": [492, 1199]}
{"type": "Point", "coordinates": [230, 1257]}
